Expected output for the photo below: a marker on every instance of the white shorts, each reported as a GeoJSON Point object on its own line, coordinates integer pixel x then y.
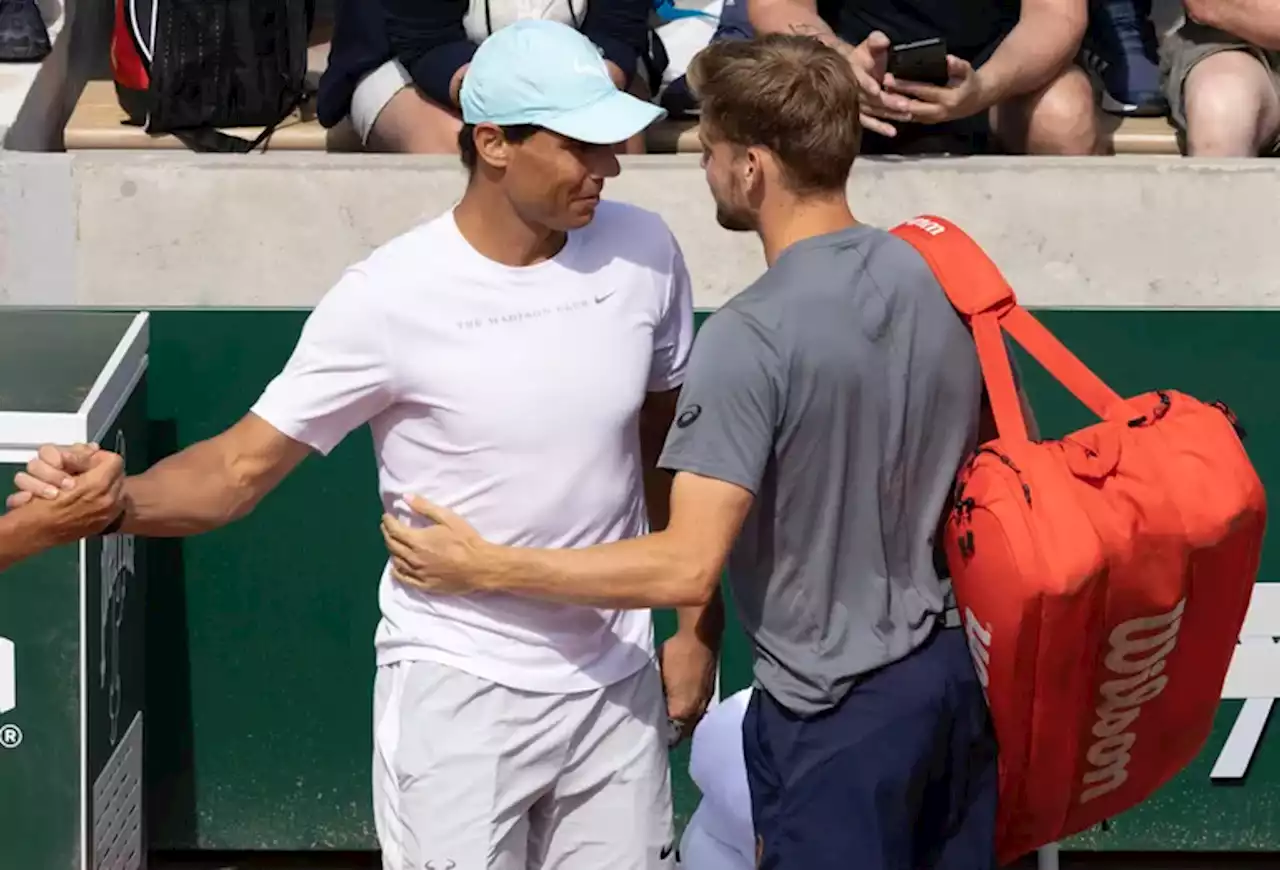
{"type": "Point", "coordinates": [471, 775]}
{"type": "Point", "coordinates": [702, 849]}
{"type": "Point", "coordinates": [372, 94]}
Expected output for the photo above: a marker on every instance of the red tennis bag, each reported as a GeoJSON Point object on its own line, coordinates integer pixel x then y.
{"type": "Point", "coordinates": [1102, 578]}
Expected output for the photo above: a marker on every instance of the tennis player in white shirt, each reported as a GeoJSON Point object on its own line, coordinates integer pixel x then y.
{"type": "Point", "coordinates": [517, 359]}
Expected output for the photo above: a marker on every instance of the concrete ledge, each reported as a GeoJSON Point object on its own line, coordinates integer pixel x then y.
{"type": "Point", "coordinates": [176, 229]}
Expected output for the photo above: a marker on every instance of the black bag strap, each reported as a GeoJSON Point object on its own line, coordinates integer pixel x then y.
{"type": "Point", "coordinates": [219, 64]}
{"type": "Point", "coordinates": [210, 140]}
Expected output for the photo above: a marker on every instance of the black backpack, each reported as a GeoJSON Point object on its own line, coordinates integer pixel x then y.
{"type": "Point", "coordinates": [188, 67]}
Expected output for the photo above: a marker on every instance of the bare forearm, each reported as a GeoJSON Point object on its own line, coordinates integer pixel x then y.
{"type": "Point", "coordinates": [1255, 21]}
{"type": "Point", "coordinates": [191, 492]}
{"type": "Point", "coordinates": [1263, 32]}
{"type": "Point", "coordinates": [704, 622]}
{"type": "Point", "coordinates": [791, 16]}
{"type": "Point", "coordinates": [1038, 48]}
{"type": "Point", "coordinates": [19, 538]}
{"type": "Point", "coordinates": [652, 571]}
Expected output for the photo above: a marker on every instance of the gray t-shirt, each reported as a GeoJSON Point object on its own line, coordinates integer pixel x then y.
{"type": "Point", "coordinates": [843, 390]}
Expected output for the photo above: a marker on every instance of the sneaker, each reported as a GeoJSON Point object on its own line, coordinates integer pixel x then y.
{"type": "Point", "coordinates": [23, 36]}
{"type": "Point", "coordinates": [1121, 52]}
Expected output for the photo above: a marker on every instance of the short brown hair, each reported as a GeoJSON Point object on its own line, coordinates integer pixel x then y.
{"type": "Point", "coordinates": [790, 94]}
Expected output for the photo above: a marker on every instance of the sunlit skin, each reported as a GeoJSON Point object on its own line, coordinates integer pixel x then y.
{"type": "Point", "coordinates": [551, 180]}
{"type": "Point", "coordinates": [723, 163]}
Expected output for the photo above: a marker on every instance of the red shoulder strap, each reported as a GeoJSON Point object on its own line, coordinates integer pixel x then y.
{"type": "Point", "coordinates": [978, 291]}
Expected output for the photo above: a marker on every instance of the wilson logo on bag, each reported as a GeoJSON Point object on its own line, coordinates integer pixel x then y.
{"type": "Point", "coordinates": [1103, 577]}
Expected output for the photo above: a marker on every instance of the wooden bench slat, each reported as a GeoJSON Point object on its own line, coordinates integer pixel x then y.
{"type": "Point", "coordinates": [1142, 136]}
{"type": "Point", "coordinates": [98, 123]}
{"type": "Point", "coordinates": [674, 137]}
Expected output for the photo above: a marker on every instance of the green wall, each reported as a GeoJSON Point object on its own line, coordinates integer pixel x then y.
{"type": "Point", "coordinates": [260, 635]}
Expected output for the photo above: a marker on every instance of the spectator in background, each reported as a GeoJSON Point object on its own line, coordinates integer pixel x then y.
{"type": "Point", "coordinates": [731, 22]}
{"type": "Point", "coordinates": [396, 66]}
{"type": "Point", "coordinates": [1013, 76]}
{"type": "Point", "coordinates": [1222, 77]}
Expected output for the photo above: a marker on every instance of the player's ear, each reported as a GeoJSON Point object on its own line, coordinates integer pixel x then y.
{"type": "Point", "coordinates": [492, 146]}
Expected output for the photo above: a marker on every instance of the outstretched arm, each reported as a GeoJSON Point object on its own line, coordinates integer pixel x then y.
{"type": "Point", "coordinates": [20, 538]}
{"type": "Point", "coordinates": [677, 567]}
{"type": "Point", "coordinates": [337, 379]}
{"type": "Point", "coordinates": [211, 483]}
{"type": "Point", "coordinates": [720, 446]}
{"type": "Point", "coordinates": [204, 487]}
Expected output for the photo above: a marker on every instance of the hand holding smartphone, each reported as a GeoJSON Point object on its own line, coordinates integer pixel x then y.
{"type": "Point", "coordinates": [924, 61]}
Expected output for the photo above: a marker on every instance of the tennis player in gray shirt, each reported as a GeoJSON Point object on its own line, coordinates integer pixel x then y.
{"type": "Point", "coordinates": [824, 415]}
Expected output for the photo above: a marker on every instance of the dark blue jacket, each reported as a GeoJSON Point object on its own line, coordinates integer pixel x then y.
{"type": "Point", "coordinates": [428, 38]}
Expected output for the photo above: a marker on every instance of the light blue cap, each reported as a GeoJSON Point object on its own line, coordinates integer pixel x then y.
{"type": "Point", "coordinates": [549, 75]}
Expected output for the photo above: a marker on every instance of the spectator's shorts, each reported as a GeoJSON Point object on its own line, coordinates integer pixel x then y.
{"type": "Point", "coordinates": [1192, 43]}
{"type": "Point", "coordinates": [900, 774]}
{"type": "Point", "coordinates": [373, 93]}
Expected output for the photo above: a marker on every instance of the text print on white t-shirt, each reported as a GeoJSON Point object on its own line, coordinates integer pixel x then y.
{"type": "Point", "coordinates": [510, 396]}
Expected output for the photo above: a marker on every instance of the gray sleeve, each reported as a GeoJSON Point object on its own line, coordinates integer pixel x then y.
{"type": "Point", "coordinates": [729, 405]}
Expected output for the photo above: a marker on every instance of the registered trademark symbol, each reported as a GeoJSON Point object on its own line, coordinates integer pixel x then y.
{"type": "Point", "coordinates": [10, 736]}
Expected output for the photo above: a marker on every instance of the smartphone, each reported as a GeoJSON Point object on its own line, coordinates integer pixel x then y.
{"type": "Point", "coordinates": [924, 60]}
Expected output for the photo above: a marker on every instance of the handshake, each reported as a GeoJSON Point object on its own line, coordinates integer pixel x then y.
{"type": "Point", "coordinates": [65, 494]}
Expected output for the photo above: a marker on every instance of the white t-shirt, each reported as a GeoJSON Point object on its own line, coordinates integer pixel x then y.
{"type": "Point", "coordinates": [486, 17]}
{"type": "Point", "coordinates": [511, 396]}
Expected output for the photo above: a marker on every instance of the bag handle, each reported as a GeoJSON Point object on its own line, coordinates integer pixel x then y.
{"type": "Point", "coordinates": [983, 297]}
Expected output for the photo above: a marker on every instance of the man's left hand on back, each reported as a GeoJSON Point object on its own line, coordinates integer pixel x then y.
{"type": "Point", "coordinates": [962, 97]}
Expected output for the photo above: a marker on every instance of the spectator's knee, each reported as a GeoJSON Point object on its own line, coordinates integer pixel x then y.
{"type": "Point", "coordinates": [1061, 119]}
{"type": "Point", "coordinates": [410, 123]}
{"type": "Point", "coordinates": [1230, 106]}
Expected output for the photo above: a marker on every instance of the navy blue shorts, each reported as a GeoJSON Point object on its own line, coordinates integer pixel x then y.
{"type": "Point", "coordinates": [901, 775]}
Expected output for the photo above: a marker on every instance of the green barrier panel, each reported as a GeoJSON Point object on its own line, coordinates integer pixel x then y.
{"type": "Point", "coordinates": [261, 667]}
{"type": "Point", "coordinates": [71, 619]}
